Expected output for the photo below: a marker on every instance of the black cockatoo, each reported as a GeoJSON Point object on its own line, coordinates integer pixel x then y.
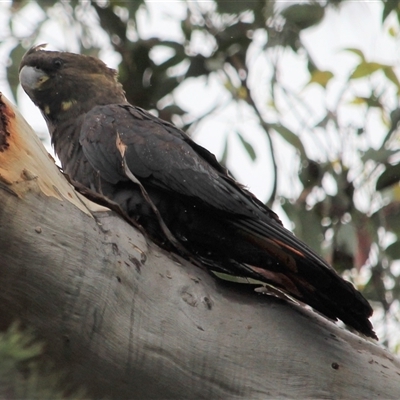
{"type": "Point", "coordinates": [174, 188]}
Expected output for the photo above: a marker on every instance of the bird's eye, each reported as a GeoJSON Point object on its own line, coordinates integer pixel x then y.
{"type": "Point", "coordinates": [58, 63]}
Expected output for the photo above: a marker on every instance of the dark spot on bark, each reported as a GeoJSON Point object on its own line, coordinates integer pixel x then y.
{"type": "Point", "coordinates": [4, 133]}
{"type": "Point", "coordinates": [115, 249]}
{"type": "Point", "coordinates": [195, 279]}
{"type": "Point", "coordinates": [334, 337]}
{"type": "Point", "coordinates": [118, 279]}
{"type": "Point", "coordinates": [143, 257]}
{"type": "Point", "coordinates": [200, 328]}
{"type": "Point", "coordinates": [335, 365]}
{"type": "Point", "coordinates": [207, 302]}
{"type": "Point", "coordinates": [135, 262]}
{"type": "Point", "coordinates": [189, 298]}
{"type": "Point", "coordinates": [27, 175]}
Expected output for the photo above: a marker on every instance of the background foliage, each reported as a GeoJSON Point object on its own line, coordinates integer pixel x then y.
{"type": "Point", "coordinates": [25, 374]}
{"type": "Point", "coordinates": [333, 176]}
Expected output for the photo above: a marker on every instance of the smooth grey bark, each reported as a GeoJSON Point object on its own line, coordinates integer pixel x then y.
{"type": "Point", "coordinates": [129, 321]}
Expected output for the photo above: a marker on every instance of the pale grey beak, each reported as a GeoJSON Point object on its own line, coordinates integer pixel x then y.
{"type": "Point", "coordinates": [31, 78]}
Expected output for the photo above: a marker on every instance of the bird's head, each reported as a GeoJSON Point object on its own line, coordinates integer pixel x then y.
{"type": "Point", "coordinates": [61, 82]}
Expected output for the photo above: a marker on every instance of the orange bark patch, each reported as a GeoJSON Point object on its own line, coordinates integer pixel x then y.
{"type": "Point", "coordinates": [25, 163]}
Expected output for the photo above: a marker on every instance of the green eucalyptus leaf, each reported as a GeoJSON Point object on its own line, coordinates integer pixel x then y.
{"type": "Point", "coordinates": [12, 69]}
{"type": "Point", "coordinates": [174, 109]}
{"type": "Point", "coordinates": [291, 138]}
{"type": "Point", "coordinates": [380, 155]}
{"type": "Point", "coordinates": [248, 147]}
{"type": "Point", "coordinates": [391, 75]}
{"type": "Point", "coordinates": [389, 6]}
{"type": "Point", "coordinates": [304, 15]}
{"type": "Point", "coordinates": [320, 77]}
{"type": "Point", "coordinates": [358, 52]}
{"type": "Point", "coordinates": [237, 279]}
{"type": "Point", "coordinates": [389, 177]}
{"type": "Point", "coordinates": [365, 69]}
{"type": "Point", "coordinates": [394, 123]}
{"type": "Point", "coordinates": [393, 251]}
{"type": "Point", "coordinates": [224, 157]}
{"type": "Point", "coordinates": [371, 101]}
{"type": "Point", "coordinates": [307, 224]}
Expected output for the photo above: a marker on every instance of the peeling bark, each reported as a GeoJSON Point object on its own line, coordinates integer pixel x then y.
{"type": "Point", "coordinates": [125, 319]}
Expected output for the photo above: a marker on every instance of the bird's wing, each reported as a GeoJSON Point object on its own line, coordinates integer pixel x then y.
{"type": "Point", "coordinates": [161, 155]}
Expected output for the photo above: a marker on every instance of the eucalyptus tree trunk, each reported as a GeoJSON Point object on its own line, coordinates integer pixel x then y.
{"type": "Point", "coordinates": [127, 320]}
